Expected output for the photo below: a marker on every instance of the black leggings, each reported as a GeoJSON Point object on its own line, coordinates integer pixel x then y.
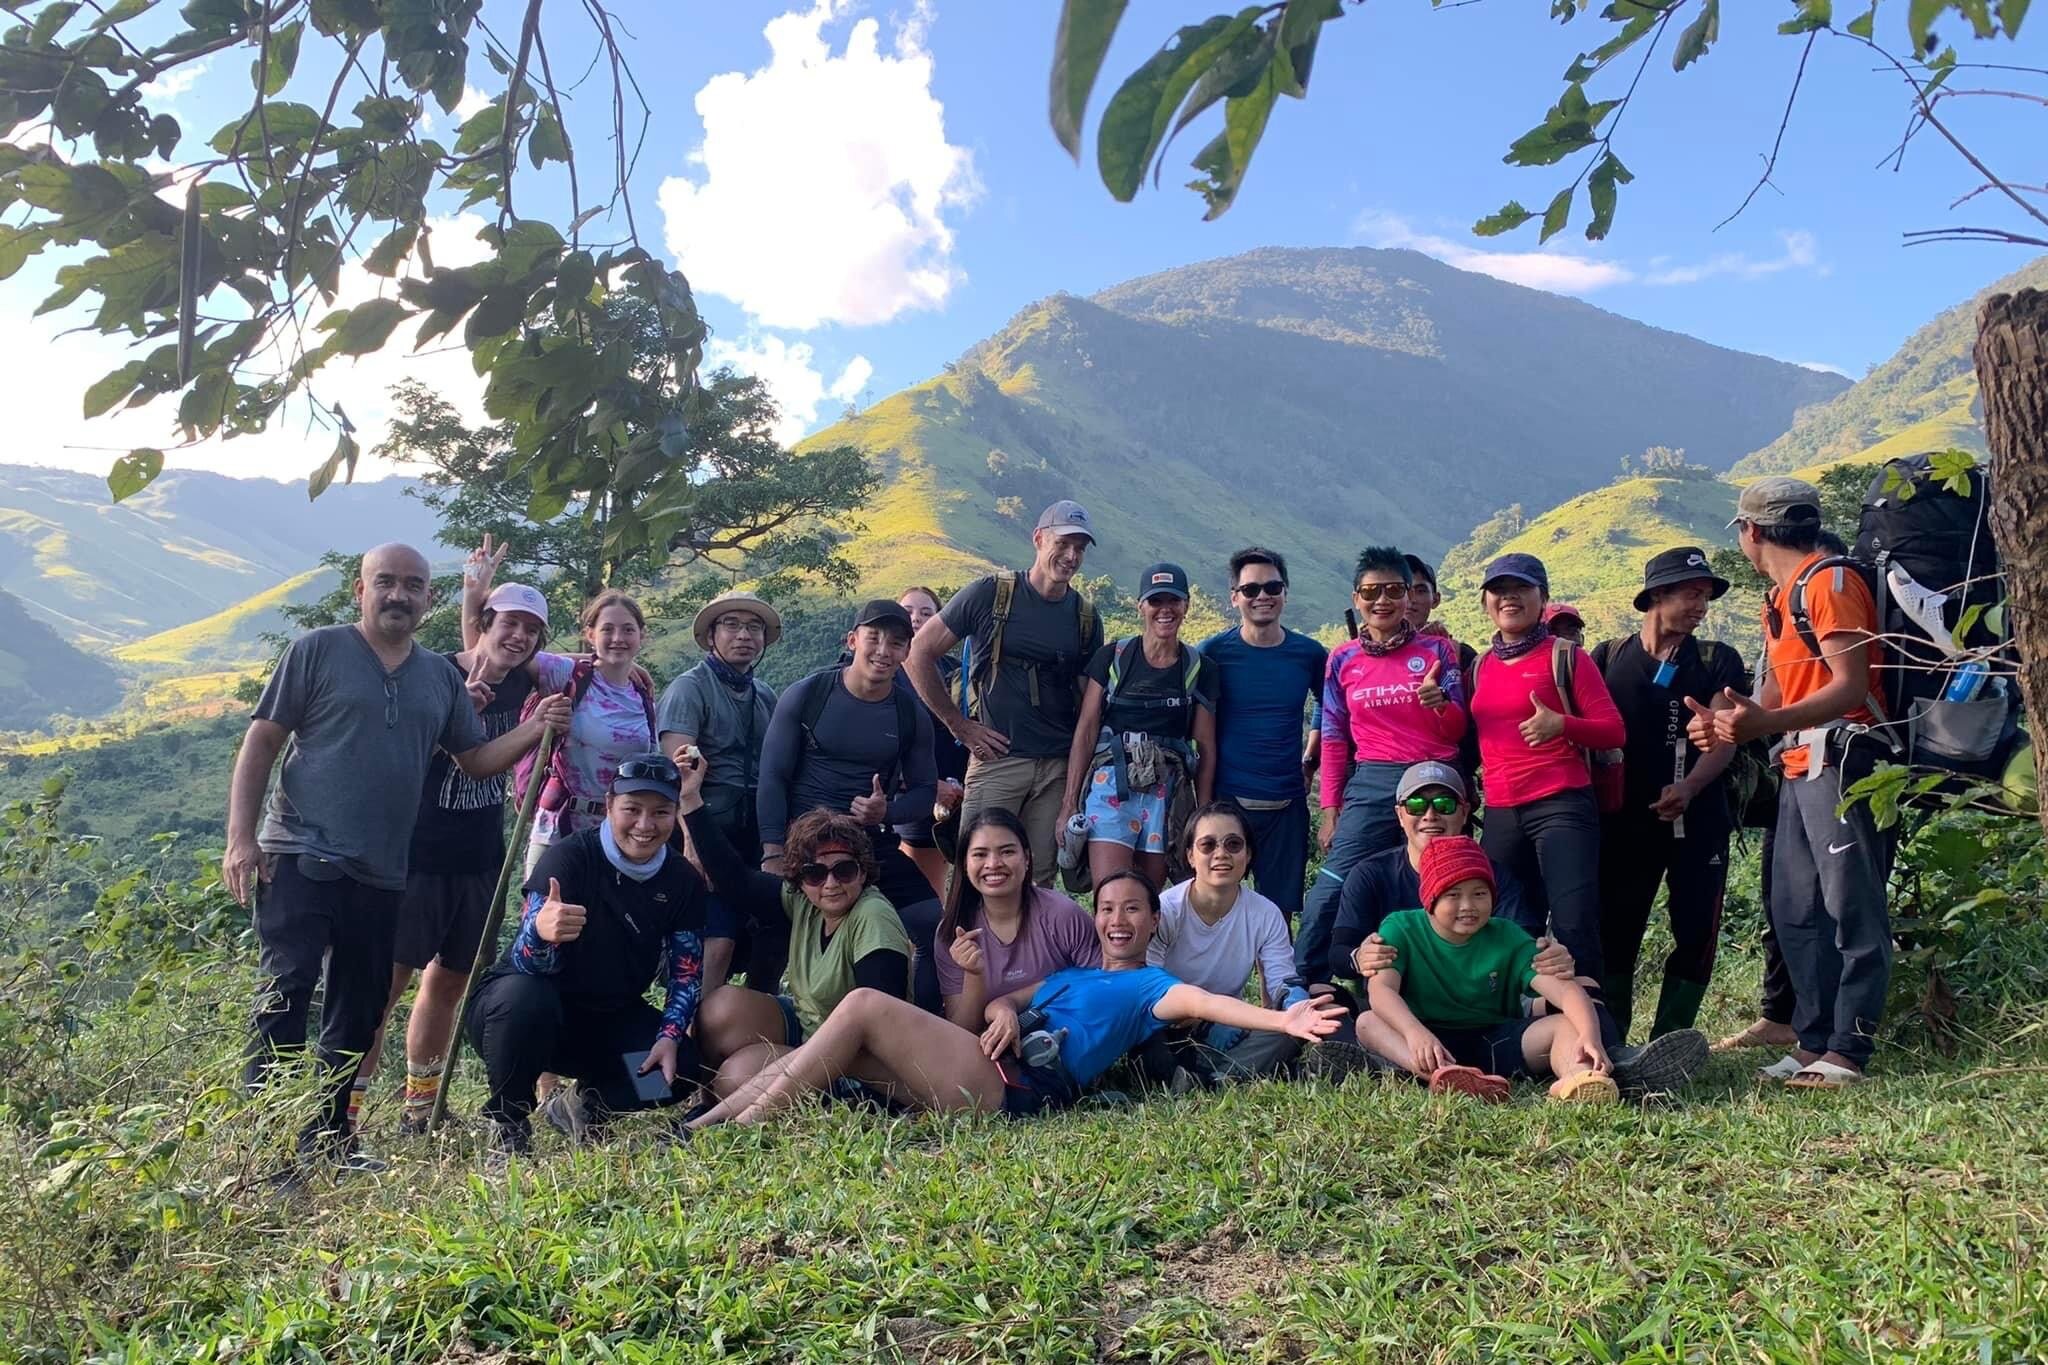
{"type": "Point", "coordinates": [1637, 855]}
{"type": "Point", "coordinates": [1552, 846]}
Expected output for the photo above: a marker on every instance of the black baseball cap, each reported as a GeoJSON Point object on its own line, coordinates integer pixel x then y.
{"type": "Point", "coordinates": [650, 772]}
{"type": "Point", "coordinates": [887, 615]}
{"type": "Point", "coordinates": [1163, 580]}
{"type": "Point", "coordinates": [1686, 564]}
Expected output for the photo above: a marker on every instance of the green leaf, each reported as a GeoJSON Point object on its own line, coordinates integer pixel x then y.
{"type": "Point", "coordinates": [546, 504]}
{"type": "Point", "coordinates": [392, 251]}
{"type": "Point", "coordinates": [1555, 216]}
{"type": "Point", "coordinates": [2011, 14]}
{"type": "Point", "coordinates": [50, 22]}
{"type": "Point", "coordinates": [134, 472]}
{"type": "Point", "coordinates": [272, 69]}
{"type": "Point", "coordinates": [1086, 26]}
{"type": "Point", "coordinates": [1865, 25]}
{"type": "Point", "coordinates": [1600, 193]}
{"type": "Point", "coordinates": [331, 17]}
{"type": "Point", "coordinates": [1699, 35]}
{"type": "Point", "coordinates": [1226, 159]}
{"type": "Point", "coordinates": [121, 13]}
{"type": "Point", "coordinates": [546, 142]}
{"type": "Point", "coordinates": [481, 129]}
{"type": "Point", "coordinates": [17, 245]}
{"type": "Point", "coordinates": [1812, 15]}
{"type": "Point", "coordinates": [344, 457]}
{"type": "Point", "coordinates": [529, 245]}
{"type": "Point", "coordinates": [1301, 26]}
{"type": "Point", "coordinates": [501, 311]}
{"type": "Point", "coordinates": [1511, 216]}
{"type": "Point", "coordinates": [111, 388]}
{"type": "Point", "coordinates": [573, 279]}
{"type": "Point", "coordinates": [1139, 113]}
{"type": "Point", "coordinates": [366, 327]}
{"type": "Point", "coordinates": [1235, 73]}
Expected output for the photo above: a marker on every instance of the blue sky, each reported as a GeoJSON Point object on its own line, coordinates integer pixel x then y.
{"type": "Point", "coordinates": [861, 191]}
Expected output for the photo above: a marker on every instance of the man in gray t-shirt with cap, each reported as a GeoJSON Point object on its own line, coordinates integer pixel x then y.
{"type": "Point", "coordinates": [364, 710]}
{"type": "Point", "coordinates": [1028, 636]}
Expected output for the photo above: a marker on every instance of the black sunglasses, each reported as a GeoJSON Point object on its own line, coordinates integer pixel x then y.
{"type": "Point", "coordinates": [1373, 592]}
{"type": "Point", "coordinates": [845, 871]}
{"type": "Point", "coordinates": [655, 769]}
{"type": "Point", "coordinates": [1272, 587]}
{"type": "Point", "coordinates": [1422, 805]}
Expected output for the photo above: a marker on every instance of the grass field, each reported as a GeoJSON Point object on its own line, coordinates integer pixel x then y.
{"type": "Point", "coordinates": [1277, 1222]}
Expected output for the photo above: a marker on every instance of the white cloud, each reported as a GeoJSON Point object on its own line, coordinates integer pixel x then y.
{"type": "Point", "coordinates": [175, 82]}
{"type": "Point", "coordinates": [792, 379]}
{"type": "Point", "coordinates": [1564, 272]}
{"type": "Point", "coordinates": [1800, 253]}
{"type": "Point", "coordinates": [821, 190]}
{"type": "Point", "coordinates": [472, 100]}
{"type": "Point", "coordinates": [1557, 271]}
{"type": "Point", "coordinates": [59, 368]}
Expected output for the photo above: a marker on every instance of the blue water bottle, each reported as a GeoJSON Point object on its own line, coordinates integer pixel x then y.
{"type": "Point", "coordinates": [1967, 682]}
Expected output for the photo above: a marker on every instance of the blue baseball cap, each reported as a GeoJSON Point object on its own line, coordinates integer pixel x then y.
{"type": "Point", "coordinates": [1522, 568]}
{"type": "Point", "coordinates": [1163, 580]}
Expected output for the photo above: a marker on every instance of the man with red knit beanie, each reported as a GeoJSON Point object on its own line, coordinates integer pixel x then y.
{"type": "Point", "coordinates": [1451, 1011]}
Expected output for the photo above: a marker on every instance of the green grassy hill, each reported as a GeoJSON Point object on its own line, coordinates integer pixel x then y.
{"type": "Point", "coordinates": [230, 638]}
{"type": "Point", "coordinates": [42, 675]}
{"type": "Point", "coordinates": [1312, 400]}
{"type": "Point", "coordinates": [189, 545]}
{"type": "Point", "coordinates": [1923, 398]}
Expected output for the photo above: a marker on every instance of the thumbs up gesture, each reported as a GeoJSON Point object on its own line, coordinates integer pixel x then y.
{"type": "Point", "coordinates": [1543, 725]}
{"type": "Point", "coordinates": [1700, 729]}
{"type": "Point", "coordinates": [872, 809]}
{"type": "Point", "coordinates": [1431, 690]}
{"type": "Point", "coordinates": [1739, 720]}
{"type": "Point", "coordinates": [559, 922]}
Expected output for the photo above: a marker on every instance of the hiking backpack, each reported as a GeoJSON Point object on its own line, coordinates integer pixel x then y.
{"type": "Point", "coordinates": [818, 690]}
{"type": "Point", "coordinates": [978, 669]}
{"type": "Point", "coordinates": [555, 792]}
{"type": "Point", "coordinates": [1927, 556]}
{"type": "Point", "coordinates": [1750, 782]}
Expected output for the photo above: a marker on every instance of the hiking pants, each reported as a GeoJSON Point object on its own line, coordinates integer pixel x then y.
{"type": "Point", "coordinates": [307, 928]}
{"type": "Point", "coordinates": [1280, 863]}
{"type": "Point", "coordinates": [1828, 886]}
{"type": "Point", "coordinates": [522, 1026]}
{"type": "Point", "coordinates": [1030, 789]}
{"type": "Point", "coordinates": [907, 888]}
{"type": "Point", "coordinates": [1553, 846]}
{"type": "Point", "coordinates": [1778, 1000]}
{"type": "Point", "coordinates": [1366, 825]}
{"type": "Point", "coordinates": [1639, 853]}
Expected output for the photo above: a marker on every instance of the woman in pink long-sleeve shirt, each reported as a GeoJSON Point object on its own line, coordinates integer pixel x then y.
{"type": "Point", "coordinates": [1391, 698]}
{"type": "Point", "coordinates": [1542, 821]}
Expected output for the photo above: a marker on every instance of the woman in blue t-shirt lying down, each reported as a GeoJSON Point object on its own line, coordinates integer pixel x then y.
{"type": "Point", "coordinates": [1088, 1016]}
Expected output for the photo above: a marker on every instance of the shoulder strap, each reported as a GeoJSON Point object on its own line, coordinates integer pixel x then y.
{"type": "Point", "coordinates": [1118, 653]}
{"type": "Point", "coordinates": [581, 674]}
{"type": "Point", "coordinates": [1564, 661]}
{"type": "Point", "coordinates": [978, 681]}
{"type": "Point", "coordinates": [817, 691]}
{"type": "Point", "coordinates": [906, 729]}
{"type": "Point", "coordinates": [1603, 653]}
{"type": "Point", "coordinates": [1795, 602]}
{"type": "Point", "coordinates": [1085, 615]}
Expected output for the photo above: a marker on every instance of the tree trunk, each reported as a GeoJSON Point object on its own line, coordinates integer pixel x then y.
{"type": "Point", "coordinates": [2012, 375]}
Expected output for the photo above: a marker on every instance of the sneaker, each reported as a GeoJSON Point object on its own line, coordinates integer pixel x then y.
{"type": "Point", "coordinates": [1661, 1066]}
{"type": "Point", "coordinates": [507, 1141]}
{"type": "Point", "coordinates": [411, 1125]}
{"type": "Point", "coordinates": [568, 1113]}
{"type": "Point", "coordinates": [1333, 1059]}
{"type": "Point", "coordinates": [353, 1160]}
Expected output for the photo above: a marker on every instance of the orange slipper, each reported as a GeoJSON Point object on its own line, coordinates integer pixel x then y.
{"type": "Point", "coordinates": [1587, 1087]}
{"type": "Point", "coordinates": [1468, 1080]}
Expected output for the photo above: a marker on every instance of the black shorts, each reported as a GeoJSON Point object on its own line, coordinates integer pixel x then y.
{"type": "Point", "coordinates": [1497, 1051]}
{"type": "Point", "coordinates": [441, 918]}
{"type": "Point", "coordinates": [915, 834]}
{"type": "Point", "coordinates": [1029, 1091]}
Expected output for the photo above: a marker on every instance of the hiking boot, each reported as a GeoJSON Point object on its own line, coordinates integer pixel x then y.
{"type": "Point", "coordinates": [353, 1160]}
{"type": "Point", "coordinates": [1661, 1066]}
{"type": "Point", "coordinates": [569, 1111]}
{"type": "Point", "coordinates": [507, 1141]}
{"type": "Point", "coordinates": [411, 1125]}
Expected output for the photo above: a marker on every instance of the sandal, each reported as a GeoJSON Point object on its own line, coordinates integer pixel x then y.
{"type": "Point", "coordinates": [1784, 1069]}
{"type": "Point", "coordinates": [1824, 1076]}
{"type": "Point", "coordinates": [1759, 1034]}
{"type": "Point", "coordinates": [1468, 1080]}
{"type": "Point", "coordinates": [1587, 1087]}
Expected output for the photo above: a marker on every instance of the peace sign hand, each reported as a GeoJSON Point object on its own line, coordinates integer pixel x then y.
{"type": "Point", "coordinates": [484, 561]}
{"type": "Point", "coordinates": [481, 693]}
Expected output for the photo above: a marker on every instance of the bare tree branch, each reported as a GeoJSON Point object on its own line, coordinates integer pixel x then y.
{"type": "Point", "coordinates": [1771, 161]}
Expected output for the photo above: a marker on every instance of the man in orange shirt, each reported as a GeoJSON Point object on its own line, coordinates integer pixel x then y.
{"type": "Point", "coordinates": [1822, 696]}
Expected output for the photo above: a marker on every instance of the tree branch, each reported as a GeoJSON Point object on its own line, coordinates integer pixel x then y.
{"type": "Point", "coordinates": [1771, 161]}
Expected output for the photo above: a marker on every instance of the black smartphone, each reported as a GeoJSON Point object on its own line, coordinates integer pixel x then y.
{"type": "Point", "coordinates": [651, 1086]}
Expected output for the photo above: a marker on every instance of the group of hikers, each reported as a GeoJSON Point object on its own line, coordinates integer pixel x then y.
{"type": "Point", "coordinates": [851, 888]}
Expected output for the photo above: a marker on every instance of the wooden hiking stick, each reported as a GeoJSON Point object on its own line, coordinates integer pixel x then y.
{"type": "Point", "coordinates": [486, 946]}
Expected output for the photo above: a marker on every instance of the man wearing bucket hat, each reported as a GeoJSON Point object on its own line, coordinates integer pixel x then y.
{"type": "Point", "coordinates": [722, 709]}
{"type": "Point", "coordinates": [1675, 818]}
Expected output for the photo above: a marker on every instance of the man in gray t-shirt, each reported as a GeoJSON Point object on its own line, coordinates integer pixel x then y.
{"type": "Point", "coordinates": [1023, 658]}
{"type": "Point", "coordinates": [358, 712]}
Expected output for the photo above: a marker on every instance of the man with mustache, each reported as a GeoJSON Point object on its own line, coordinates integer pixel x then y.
{"type": "Point", "coordinates": [1029, 635]}
{"type": "Point", "coordinates": [1674, 821]}
{"type": "Point", "coordinates": [364, 710]}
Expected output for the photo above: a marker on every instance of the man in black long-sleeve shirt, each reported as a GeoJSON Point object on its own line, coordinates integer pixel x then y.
{"type": "Point", "coordinates": [849, 750]}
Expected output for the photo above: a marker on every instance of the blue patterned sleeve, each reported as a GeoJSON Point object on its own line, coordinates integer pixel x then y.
{"type": "Point", "coordinates": [531, 953]}
{"type": "Point", "coordinates": [685, 983]}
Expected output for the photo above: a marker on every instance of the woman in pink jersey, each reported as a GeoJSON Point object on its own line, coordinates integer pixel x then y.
{"type": "Point", "coordinates": [1391, 698]}
{"type": "Point", "coordinates": [1542, 821]}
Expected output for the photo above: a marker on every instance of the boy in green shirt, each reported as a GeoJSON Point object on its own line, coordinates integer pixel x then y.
{"type": "Point", "coordinates": [1451, 1012]}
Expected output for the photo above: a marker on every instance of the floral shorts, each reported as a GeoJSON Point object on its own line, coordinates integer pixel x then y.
{"type": "Point", "coordinates": [1137, 821]}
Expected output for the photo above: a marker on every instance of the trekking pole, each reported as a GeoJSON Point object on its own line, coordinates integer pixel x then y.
{"type": "Point", "coordinates": [487, 944]}
{"type": "Point", "coordinates": [1351, 622]}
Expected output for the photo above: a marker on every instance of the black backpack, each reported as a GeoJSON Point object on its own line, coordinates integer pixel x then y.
{"type": "Point", "coordinates": [818, 690]}
{"type": "Point", "coordinates": [1941, 540]}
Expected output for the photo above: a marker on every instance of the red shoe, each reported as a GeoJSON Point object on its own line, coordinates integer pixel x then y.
{"type": "Point", "coordinates": [1469, 1080]}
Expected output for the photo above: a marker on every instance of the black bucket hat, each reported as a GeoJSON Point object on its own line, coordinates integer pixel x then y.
{"type": "Point", "coordinates": [1681, 565]}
